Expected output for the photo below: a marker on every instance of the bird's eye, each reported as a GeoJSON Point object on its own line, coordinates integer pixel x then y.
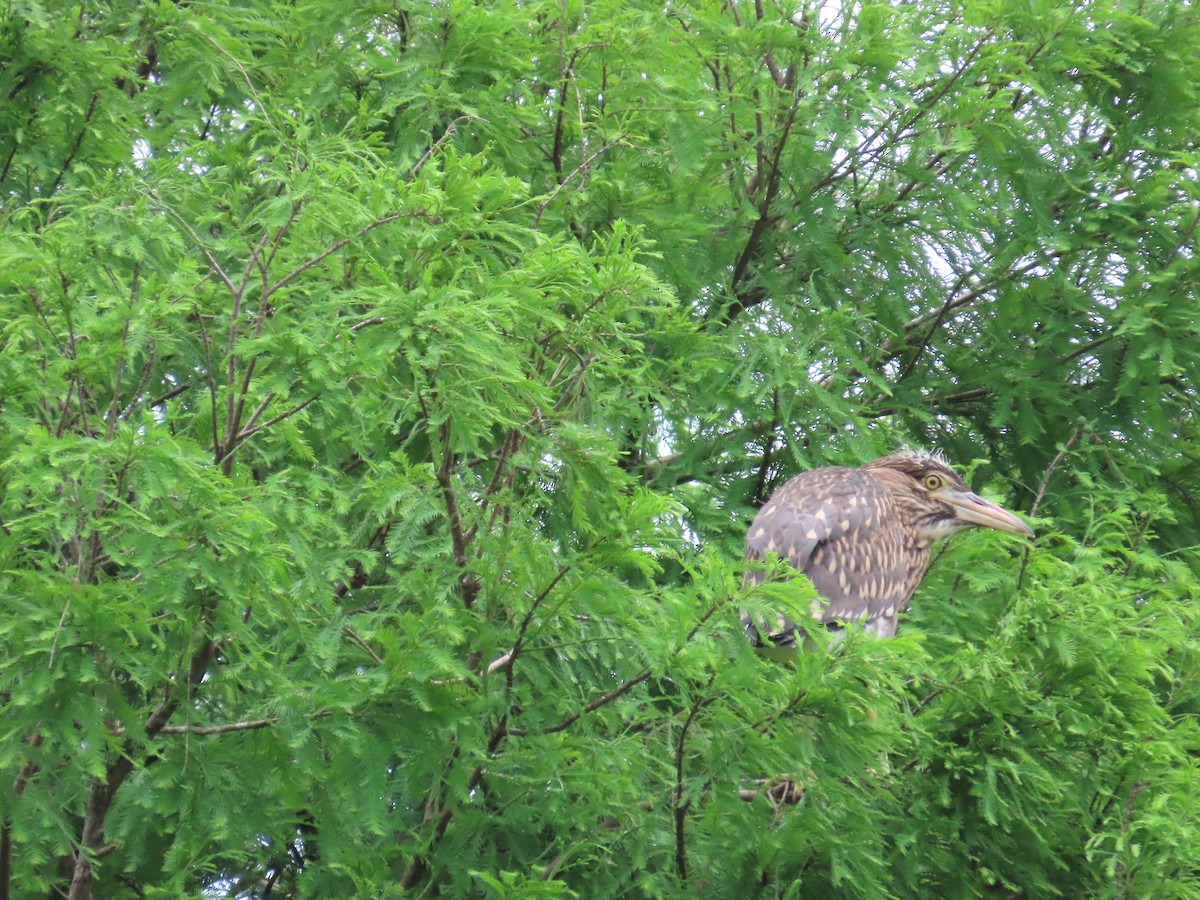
{"type": "Point", "coordinates": [933, 482]}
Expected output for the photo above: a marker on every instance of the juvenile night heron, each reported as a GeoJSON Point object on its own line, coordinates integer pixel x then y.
{"type": "Point", "coordinates": [862, 536]}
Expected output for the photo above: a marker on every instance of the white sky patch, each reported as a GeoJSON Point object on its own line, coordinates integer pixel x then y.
{"type": "Point", "coordinates": [141, 152]}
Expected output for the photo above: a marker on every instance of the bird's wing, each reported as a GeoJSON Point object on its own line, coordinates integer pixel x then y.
{"type": "Point", "coordinates": [837, 526]}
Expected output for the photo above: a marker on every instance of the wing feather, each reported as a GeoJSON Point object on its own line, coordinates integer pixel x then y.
{"type": "Point", "coordinates": [812, 522]}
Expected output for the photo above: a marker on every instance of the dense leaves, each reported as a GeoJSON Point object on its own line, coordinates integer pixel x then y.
{"type": "Point", "coordinates": [386, 390]}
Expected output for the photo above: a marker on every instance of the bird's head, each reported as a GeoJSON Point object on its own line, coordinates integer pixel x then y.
{"type": "Point", "coordinates": [935, 501]}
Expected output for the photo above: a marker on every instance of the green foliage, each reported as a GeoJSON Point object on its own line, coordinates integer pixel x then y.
{"type": "Point", "coordinates": [386, 391]}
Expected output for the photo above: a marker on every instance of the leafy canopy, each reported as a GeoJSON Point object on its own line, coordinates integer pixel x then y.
{"type": "Point", "coordinates": [386, 390]}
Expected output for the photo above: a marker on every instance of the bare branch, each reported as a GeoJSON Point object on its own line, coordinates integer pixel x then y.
{"type": "Point", "coordinates": [1041, 492]}
{"type": "Point", "coordinates": [446, 135]}
{"type": "Point", "coordinates": [324, 255]}
{"type": "Point", "coordinates": [603, 700]}
{"type": "Point", "coordinates": [251, 725]}
{"type": "Point", "coordinates": [212, 385]}
{"type": "Point", "coordinates": [506, 660]}
{"type": "Point", "coordinates": [258, 101]}
{"type": "Point", "coordinates": [582, 167]}
{"type": "Point", "coordinates": [459, 537]}
{"type": "Point", "coordinates": [374, 320]}
{"type": "Point", "coordinates": [258, 411]}
{"type": "Point", "coordinates": [681, 805]}
{"type": "Point", "coordinates": [1050, 469]}
{"type": "Point", "coordinates": [242, 436]}
{"type": "Point", "coordinates": [357, 638]}
{"type": "Point", "coordinates": [104, 788]}
{"type": "Point", "coordinates": [198, 241]}
{"type": "Point", "coordinates": [83, 130]}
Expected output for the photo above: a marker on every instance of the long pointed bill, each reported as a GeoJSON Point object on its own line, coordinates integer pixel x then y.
{"type": "Point", "coordinates": [974, 510]}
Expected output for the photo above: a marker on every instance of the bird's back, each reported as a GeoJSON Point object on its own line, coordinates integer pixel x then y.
{"type": "Point", "coordinates": [839, 527]}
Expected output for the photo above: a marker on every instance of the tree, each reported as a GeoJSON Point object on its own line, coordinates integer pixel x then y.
{"type": "Point", "coordinates": [387, 390]}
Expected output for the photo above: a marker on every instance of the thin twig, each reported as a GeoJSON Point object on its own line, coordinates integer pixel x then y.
{"type": "Point", "coordinates": [337, 245]}
{"type": "Point", "coordinates": [252, 725]}
{"type": "Point", "coordinates": [1041, 492]}
{"type": "Point", "coordinates": [1054, 464]}
{"type": "Point", "coordinates": [682, 806]}
{"type": "Point", "coordinates": [247, 429]}
{"type": "Point", "coordinates": [243, 436]}
{"type": "Point", "coordinates": [506, 660]}
{"type": "Point", "coordinates": [354, 636]}
{"type": "Point", "coordinates": [450, 129]}
{"type": "Point", "coordinates": [582, 167]}
{"type": "Point", "coordinates": [258, 101]}
{"type": "Point", "coordinates": [603, 700]}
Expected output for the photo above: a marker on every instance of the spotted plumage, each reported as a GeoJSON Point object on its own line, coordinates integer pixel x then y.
{"type": "Point", "coordinates": [863, 536]}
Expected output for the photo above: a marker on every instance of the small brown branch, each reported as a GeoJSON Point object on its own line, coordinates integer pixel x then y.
{"type": "Point", "coordinates": [26, 772]}
{"type": "Point", "coordinates": [286, 414]}
{"type": "Point", "coordinates": [1084, 349]}
{"type": "Point", "coordinates": [782, 791]}
{"type": "Point", "coordinates": [681, 805]}
{"type": "Point", "coordinates": [976, 292]}
{"type": "Point", "coordinates": [563, 182]}
{"type": "Point", "coordinates": [247, 429]}
{"type": "Point", "coordinates": [259, 104]}
{"type": "Point", "coordinates": [324, 255]}
{"type": "Point", "coordinates": [114, 406]}
{"type": "Point", "coordinates": [1054, 464]}
{"type": "Point", "coordinates": [771, 174]}
{"type": "Point", "coordinates": [357, 638]}
{"type": "Point", "coordinates": [360, 576]}
{"type": "Point", "coordinates": [765, 724]}
{"type": "Point", "coordinates": [1130, 801]}
{"type": "Point", "coordinates": [256, 253]}
{"type": "Point", "coordinates": [1185, 240]}
{"type": "Point", "coordinates": [1041, 492]}
{"type": "Point", "coordinates": [374, 320]}
{"type": "Point", "coordinates": [446, 135]}
{"type": "Point", "coordinates": [459, 540]}
{"type": "Point", "coordinates": [418, 868]}
{"type": "Point", "coordinates": [104, 789]}
{"type": "Point", "coordinates": [232, 401]}
{"type": "Point", "coordinates": [1143, 522]}
{"type": "Point", "coordinates": [215, 266]}
{"type": "Point", "coordinates": [143, 380]}
{"type": "Point", "coordinates": [967, 396]}
{"type": "Point", "coordinates": [239, 439]}
{"type": "Point", "coordinates": [87, 118]}
{"type": "Point", "coordinates": [603, 700]}
{"type": "Point", "coordinates": [561, 115]}
{"type": "Point", "coordinates": [506, 660]}
{"type": "Point", "coordinates": [252, 725]}
{"type": "Point", "coordinates": [764, 468]}
{"type": "Point", "coordinates": [953, 303]}
{"type": "Point", "coordinates": [264, 266]}
{"type": "Point", "coordinates": [212, 386]}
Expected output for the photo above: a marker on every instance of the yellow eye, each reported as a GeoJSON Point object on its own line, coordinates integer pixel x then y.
{"type": "Point", "coordinates": [933, 482]}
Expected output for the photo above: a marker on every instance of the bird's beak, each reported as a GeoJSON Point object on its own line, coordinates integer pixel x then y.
{"type": "Point", "coordinates": [971, 509]}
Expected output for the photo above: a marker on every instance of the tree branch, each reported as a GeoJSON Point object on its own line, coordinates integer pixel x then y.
{"type": "Point", "coordinates": [324, 255]}
{"type": "Point", "coordinates": [104, 789]}
{"type": "Point", "coordinates": [1041, 492]}
{"type": "Point", "coordinates": [252, 725]}
{"type": "Point", "coordinates": [681, 805]}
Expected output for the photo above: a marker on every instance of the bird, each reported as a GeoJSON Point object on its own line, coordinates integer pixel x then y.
{"type": "Point", "coordinates": [862, 536]}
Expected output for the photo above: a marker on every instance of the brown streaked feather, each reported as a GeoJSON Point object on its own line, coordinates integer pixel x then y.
{"type": "Point", "coordinates": [817, 521]}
